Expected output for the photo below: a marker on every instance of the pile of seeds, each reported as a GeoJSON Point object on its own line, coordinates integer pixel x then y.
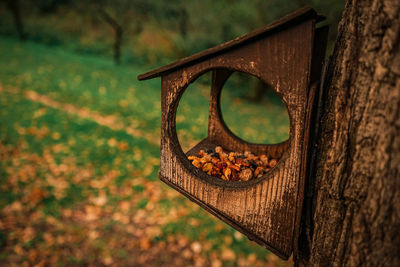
{"type": "Point", "coordinates": [232, 166]}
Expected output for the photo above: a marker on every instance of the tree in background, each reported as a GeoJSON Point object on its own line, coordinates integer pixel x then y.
{"type": "Point", "coordinates": [15, 9]}
{"type": "Point", "coordinates": [352, 214]}
{"type": "Point", "coordinates": [148, 27]}
{"type": "Point", "coordinates": [117, 29]}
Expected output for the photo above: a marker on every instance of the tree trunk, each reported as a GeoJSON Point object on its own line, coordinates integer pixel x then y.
{"type": "Point", "coordinates": [117, 34]}
{"type": "Point", "coordinates": [15, 9]}
{"type": "Point", "coordinates": [183, 22]}
{"type": "Point", "coordinates": [352, 216]}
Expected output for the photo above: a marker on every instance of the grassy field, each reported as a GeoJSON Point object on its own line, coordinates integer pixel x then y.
{"type": "Point", "coordinates": [79, 156]}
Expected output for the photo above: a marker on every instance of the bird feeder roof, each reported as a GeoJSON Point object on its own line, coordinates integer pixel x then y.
{"type": "Point", "coordinates": [295, 18]}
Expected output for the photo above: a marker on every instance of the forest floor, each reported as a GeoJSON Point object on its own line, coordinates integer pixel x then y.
{"type": "Point", "coordinates": [79, 157]}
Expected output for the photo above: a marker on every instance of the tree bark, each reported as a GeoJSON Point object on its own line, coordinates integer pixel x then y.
{"type": "Point", "coordinates": [354, 216]}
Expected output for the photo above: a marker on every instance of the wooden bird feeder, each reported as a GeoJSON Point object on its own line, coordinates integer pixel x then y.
{"type": "Point", "coordinates": [286, 54]}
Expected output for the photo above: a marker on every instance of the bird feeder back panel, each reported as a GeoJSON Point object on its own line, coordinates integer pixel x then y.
{"type": "Point", "coordinates": [287, 55]}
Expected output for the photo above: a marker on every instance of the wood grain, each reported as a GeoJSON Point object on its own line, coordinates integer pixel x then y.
{"type": "Point", "coordinates": [267, 210]}
{"type": "Point", "coordinates": [354, 206]}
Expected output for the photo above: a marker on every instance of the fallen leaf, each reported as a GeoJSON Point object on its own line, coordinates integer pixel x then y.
{"type": "Point", "coordinates": [196, 247]}
{"type": "Point", "coordinates": [123, 146]}
{"type": "Point", "coordinates": [112, 142]}
{"type": "Point", "coordinates": [228, 254]}
{"type": "Point", "coordinates": [37, 195]}
{"type": "Point", "coordinates": [144, 243]}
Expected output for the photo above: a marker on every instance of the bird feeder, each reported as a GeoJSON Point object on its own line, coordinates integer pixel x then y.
{"type": "Point", "coordinates": [286, 54]}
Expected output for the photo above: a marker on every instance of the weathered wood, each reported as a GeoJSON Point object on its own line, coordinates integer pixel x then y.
{"type": "Point", "coordinates": [220, 134]}
{"type": "Point", "coordinates": [314, 108]}
{"type": "Point", "coordinates": [354, 208]}
{"type": "Point", "coordinates": [268, 209]}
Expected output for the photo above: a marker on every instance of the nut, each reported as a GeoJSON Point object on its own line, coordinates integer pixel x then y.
{"type": "Point", "coordinates": [235, 176]}
{"type": "Point", "coordinates": [258, 171]}
{"type": "Point", "coordinates": [196, 163]}
{"type": "Point", "coordinates": [227, 172]}
{"type": "Point", "coordinates": [203, 160]}
{"type": "Point", "coordinates": [273, 162]}
{"type": "Point", "coordinates": [207, 167]}
{"type": "Point", "coordinates": [218, 149]}
{"type": "Point", "coordinates": [233, 166]}
{"type": "Point", "coordinates": [231, 157]}
{"type": "Point", "coordinates": [245, 175]}
{"type": "Point", "coordinates": [264, 160]}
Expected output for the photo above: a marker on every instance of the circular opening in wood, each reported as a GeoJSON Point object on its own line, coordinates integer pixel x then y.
{"type": "Point", "coordinates": [192, 113]}
{"type": "Point", "coordinates": [253, 111]}
{"type": "Point", "coordinates": [232, 146]}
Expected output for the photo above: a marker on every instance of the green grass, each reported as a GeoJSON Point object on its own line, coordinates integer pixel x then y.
{"type": "Point", "coordinates": [77, 184]}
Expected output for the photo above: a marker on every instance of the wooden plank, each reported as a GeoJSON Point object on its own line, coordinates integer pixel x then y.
{"type": "Point", "coordinates": [227, 220]}
{"type": "Point", "coordinates": [314, 100]}
{"type": "Point", "coordinates": [264, 209]}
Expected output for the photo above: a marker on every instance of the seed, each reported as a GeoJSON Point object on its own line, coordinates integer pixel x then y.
{"type": "Point", "coordinates": [227, 172]}
{"type": "Point", "coordinates": [207, 167]}
{"type": "Point", "coordinates": [264, 160]}
{"type": "Point", "coordinates": [253, 158]}
{"type": "Point", "coordinates": [192, 157]}
{"type": "Point", "coordinates": [223, 156]}
{"type": "Point", "coordinates": [196, 163]}
{"type": "Point", "coordinates": [240, 161]}
{"type": "Point", "coordinates": [246, 164]}
{"type": "Point", "coordinates": [201, 153]}
{"type": "Point", "coordinates": [214, 161]}
{"type": "Point", "coordinates": [215, 172]}
{"type": "Point", "coordinates": [221, 165]}
{"type": "Point", "coordinates": [208, 158]}
{"type": "Point", "coordinates": [273, 162]}
{"type": "Point", "coordinates": [246, 175]}
{"type": "Point", "coordinates": [258, 171]}
{"type": "Point", "coordinates": [218, 149]}
{"type": "Point", "coordinates": [233, 166]}
{"type": "Point", "coordinates": [235, 176]}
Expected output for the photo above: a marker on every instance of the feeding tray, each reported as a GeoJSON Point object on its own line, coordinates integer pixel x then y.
{"type": "Point", "coordinates": [286, 54]}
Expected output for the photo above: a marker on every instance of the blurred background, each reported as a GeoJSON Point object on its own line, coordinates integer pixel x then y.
{"type": "Point", "coordinates": [79, 135]}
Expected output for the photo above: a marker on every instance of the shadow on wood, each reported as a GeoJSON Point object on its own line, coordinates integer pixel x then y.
{"type": "Point", "coordinates": [286, 54]}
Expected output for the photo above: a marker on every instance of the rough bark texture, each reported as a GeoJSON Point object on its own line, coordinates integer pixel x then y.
{"type": "Point", "coordinates": [355, 220]}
